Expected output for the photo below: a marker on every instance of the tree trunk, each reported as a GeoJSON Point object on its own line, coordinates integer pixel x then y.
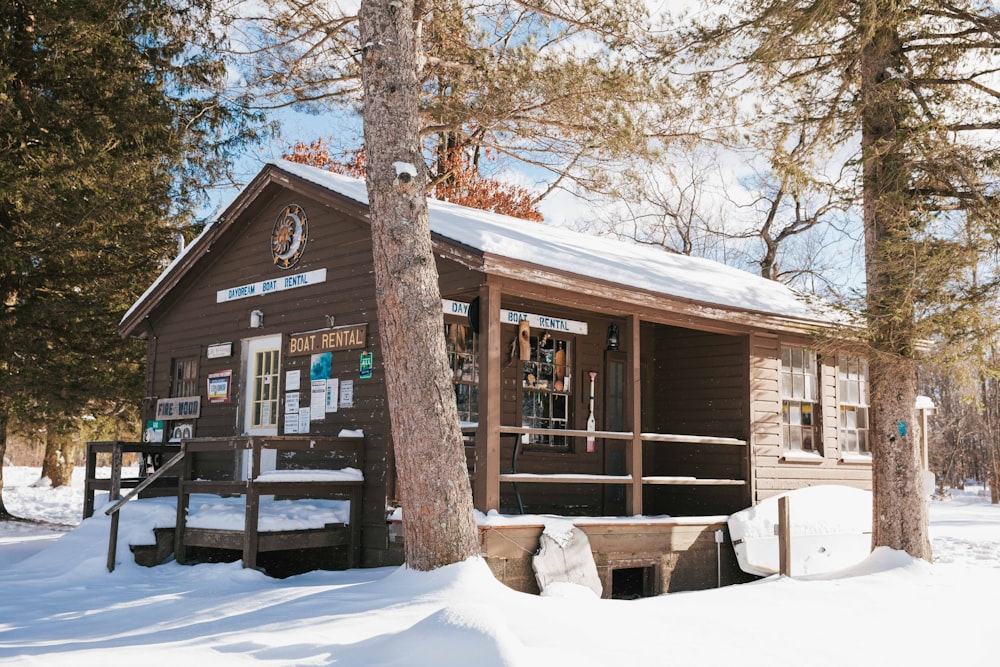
{"type": "Point", "coordinates": [994, 476]}
{"type": "Point", "coordinates": [900, 511]}
{"type": "Point", "coordinates": [60, 452]}
{"type": "Point", "coordinates": [4, 514]}
{"type": "Point", "coordinates": [438, 522]}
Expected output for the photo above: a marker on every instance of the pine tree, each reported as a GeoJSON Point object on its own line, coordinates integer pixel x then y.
{"type": "Point", "coordinates": [906, 81]}
{"type": "Point", "coordinates": [111, 120]}
{"type": "Point", "coordinates": [438, 524]}
{"type": "Point", "coordinates": [558, 87]}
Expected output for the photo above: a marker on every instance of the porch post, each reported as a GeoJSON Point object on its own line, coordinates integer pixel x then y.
{"type": "Point", "coordinates": [487, 487]}
{"type": "Point", "coordinates": [633, 457]}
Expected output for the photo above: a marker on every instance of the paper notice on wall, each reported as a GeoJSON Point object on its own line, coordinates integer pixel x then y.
{"type": "Point", "coordinates": [292, 402]}
{"type": "Point", "coordinates": [303, 420]}
{"type": "Point", "coordinates": [332, 394]}
{"type": "Point", "coordinates": [346, 394]}
{"type": "Point", "coordinates": [291, 421]}
{"type": "Point", "coordinates": [318, 400]}
{"type": "Point", "coordinates": [293, 380]}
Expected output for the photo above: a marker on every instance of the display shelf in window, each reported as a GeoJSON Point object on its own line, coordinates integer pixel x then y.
{"type": "Point", "coordinates": [546, 385]}
{"type": "Point", "coordinates": [462, 345]}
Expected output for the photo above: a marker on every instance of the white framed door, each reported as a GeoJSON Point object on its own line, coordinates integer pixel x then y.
{"type": "Point", "coordinates": [262, 370]}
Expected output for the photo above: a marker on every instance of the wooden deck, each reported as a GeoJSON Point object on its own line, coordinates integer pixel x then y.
{"type": "Point", "coordinates": [212, 466]}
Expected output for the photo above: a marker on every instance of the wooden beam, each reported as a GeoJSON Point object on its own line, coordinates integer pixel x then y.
{"type": "Point", "coordinates": [487, 487]}
{"type": "Point", "coordinates": [784, 538]}
{"type": "Point", "coordinates": [633, 397]}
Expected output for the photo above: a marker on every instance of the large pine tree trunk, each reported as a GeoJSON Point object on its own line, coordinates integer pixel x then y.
{"type": "Point", "coordinates": [438, 522]}
{"type": "Point", "coordinates": [60, 452]}
{"type": "Point", "coordinates": [900, 514]}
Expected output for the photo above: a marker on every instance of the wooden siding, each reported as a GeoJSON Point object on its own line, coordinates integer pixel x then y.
{"type": "Point", "coordinates": [190, 319]}
{"type": "Point", "coordinates": [772, 472]}
{"type": "Point", "coordinates": [699, 382]}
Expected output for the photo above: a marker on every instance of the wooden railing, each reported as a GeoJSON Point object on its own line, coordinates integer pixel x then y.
{"type": "Point", "coordinates": [633, 460]}
{"type": "Point", "coordinates": [291, 452]}
{"type": "Point", "coordinates": [116, 450]}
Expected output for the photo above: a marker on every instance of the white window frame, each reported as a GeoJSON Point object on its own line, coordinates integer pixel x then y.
{"type": "Point", "coordinates": [799, 387]}
{"type": "Point", "coordinates": [853, 406]}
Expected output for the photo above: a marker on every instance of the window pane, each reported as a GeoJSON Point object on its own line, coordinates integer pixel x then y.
{"type": "Point", "coordinates": [851, 441]}
{"type": "Point", "coordinates": [462, 345]}
{"type": "Point", "coordinates": [559, 407]}
{"type": "Point", "coordinates": [265, 389]}
{"type": "Point", "coordinates": [798, 386]}
{"type": "Point", "coordinates": [795, 438]}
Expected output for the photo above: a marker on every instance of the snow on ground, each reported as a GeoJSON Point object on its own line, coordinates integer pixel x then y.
{"type": "Point", "coordinates": [60, 606]}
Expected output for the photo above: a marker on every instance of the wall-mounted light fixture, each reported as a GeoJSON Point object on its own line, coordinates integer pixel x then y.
{"type": "Point", "coordinates": [612, 337]}
{"type": "Point", "coordinates": [256, 319]}
{"type": "Point", "coordinates": [330, 319]}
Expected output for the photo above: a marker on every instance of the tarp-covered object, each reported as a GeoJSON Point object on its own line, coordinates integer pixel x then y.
{"type": "Point", "coordinates": [564, 556]}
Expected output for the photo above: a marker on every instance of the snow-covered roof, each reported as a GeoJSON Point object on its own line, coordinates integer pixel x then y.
{"type": "Point", "coordinates": [599, 258]}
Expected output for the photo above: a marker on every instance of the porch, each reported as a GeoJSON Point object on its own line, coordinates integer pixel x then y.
{"type": "Point", "coordinates": [669, 420]}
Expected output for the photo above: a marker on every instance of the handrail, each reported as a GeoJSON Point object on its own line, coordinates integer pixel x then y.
{"type": "Point", "coordinates": [573, 433]}
{"type": "Point", "coordinates": [625, 435]}
{"type": "Point", "coordinates": [139, 488]}
{"type": "Point", "coordinates": [642, 438]}
{"type": "Point", "coordinates": [113, 510]}
{"type": "Point", "coordinates": [691, 439]}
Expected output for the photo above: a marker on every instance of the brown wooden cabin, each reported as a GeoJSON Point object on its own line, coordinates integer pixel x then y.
{"type": "Point", "coordinates": [708, 394]}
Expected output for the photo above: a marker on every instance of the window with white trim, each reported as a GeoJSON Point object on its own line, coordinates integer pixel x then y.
{"type": "Point", "coordinates": [852, 387]}
{"type": "Point", "coordinates": [799, 399]}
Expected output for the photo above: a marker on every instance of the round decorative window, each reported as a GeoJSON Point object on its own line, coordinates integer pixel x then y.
{"type": "Point", "coordinates": [289, 236]}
